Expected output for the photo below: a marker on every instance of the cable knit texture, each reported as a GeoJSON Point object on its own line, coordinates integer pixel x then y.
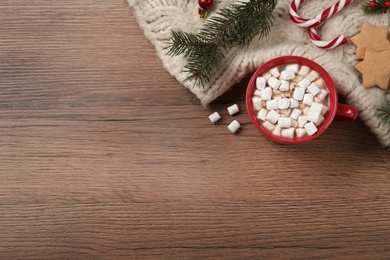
{"type": "Point", "coordinates": [158, 17]}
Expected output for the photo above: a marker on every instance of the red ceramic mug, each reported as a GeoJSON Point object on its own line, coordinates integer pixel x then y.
{"type": "Point", "coordinates": [337, 112]}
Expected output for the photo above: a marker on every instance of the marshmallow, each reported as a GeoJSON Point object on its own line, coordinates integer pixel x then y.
{"type": "Point", "coordinates": [304, 71]}
{"type": "Point", "coordinates": [316, 107]}
{"type": "Point", "coordinates": [272, 104]}
{"type": "Point", "coordinates": [275, 72]}
{"type": "Point", "coordinates": [313, 75]}
{"type": "Point", "coordinates": [302, 120]}
{"type": "Point", "coordinates": [294, 123]}
{"type": "Point", "coordinates": [260, 83]}
{"type": "Point", "coordinates": [257, 103]}
{"type": "Point", "coordinates": [257, 93]}
{"type": "Point", "coordinates": [283, 103]}
{"type": "Point", "coordinates": [320, 120]}
{"type": "Point", "coordinates": [313, 116]}
{"type": "Point", "coordinates": [313, 89]}
{"type": "Point", "coordinates": [214, 117]}
{"type": "Point", "coordinates": [308, 99]}
{"type": "Point", "coordinates": [285, 112]}
{"type": "Point", "coordinates": [310, 128]}
{"type": "Point", "coordinates": [306, 111]}
{"type": "Point", "coordinates": [300, 132]}
{"type": "Point", "coordinates": [276, 93]}
{"type": "Point", "coordinates": [284, 122]}
{"type": "Point", "coordinates": [287, 75]}
{"type": "Point", "coordinates": [324, 110]}
{"type": "Point", "coordinates": [295, 113]}
{"type": "Point", "coordinates": [297, 79]}
{"type": "Point", "coordinates": [274, 82]}
{"type": "Point", "coordinates": [273, 116]}
{"type": "Point", "coordinates": [234, 126]}
{"type": "Point", "coordinates": [262, 114]}
{"type": "Point", "coordinates": [277, 131]}
{"type": "Point", "coordinates": [266, 76]}
{"type": "Point", "coordinates": [323, 94]}
{"type": "Point", "coordinates": [233, 109]}
{"type": "Point", "coordinates": [269, 126]}
{"type": "Point", "coordinates": [293, 103]}
{"type": "Point", "coordinates": [284, 86]}
{"type": "Point", "coordinates": [288, 133]}
{"type": "Point", "coordinates": [266, 93]}
{"type": "Point", "coordinates": [298, 93]}
{"type": "Point", "coordinates": [320, 83]}
{"type": "Point", "coordinates": [293, 67]}
{"type": "Point", "coordinates": [304, 83]}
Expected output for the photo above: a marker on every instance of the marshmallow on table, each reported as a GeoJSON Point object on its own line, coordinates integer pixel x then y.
{"type": "Point", "coordinates": [260, 83]}
{"type": "Point", "coordinates": [310, 128]}
{"type": "Point", "coordinates": [214, 117]}
{"type": "Point", "coordinates": [233, 109]}
{"type": "Point", "coordinates": [284, 122]}
{"type": "Point", "coordinates": [295, 113]}
{"type": "Point", "coordinates": [273, 116]}
{"type": "Point", "coordinates": [262, 114]}
{"type": "Point", "coordinates": [288, 132]}
{"type": "Point", "coordinates": [266, 93]}
{"type": "Point", "coordinates": [284, 86]}
{"type": "Point", "coordinates": [299, 93]}
{"type": "Point", "coordinates": [304, 71]}
{"type": "Point", "coordinates": [304, 83]}
{"type": "Point", "coordinates": [287, 75]}
{"type": "Point", "coordinates": [234, 126]}
{"type": "Point", "coordinates": [313, 89]}
{"type": "Point", "coordinates": [308, 99]}
{"type": "Point", "coordinates": [272, 104]}
{"type": "Point", "coordinates": [274, 82]}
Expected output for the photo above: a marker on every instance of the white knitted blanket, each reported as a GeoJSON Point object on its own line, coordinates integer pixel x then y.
{"type": "Point", "coordinates": [158, 17]}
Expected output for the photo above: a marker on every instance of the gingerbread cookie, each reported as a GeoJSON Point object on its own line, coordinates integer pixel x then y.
{"type": "Point", "coordinates": [371, 37]}
{"type": "Point", "coordinates": [375, 68]}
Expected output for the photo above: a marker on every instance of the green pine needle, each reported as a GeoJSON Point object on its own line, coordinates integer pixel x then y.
{"type": "Point", "coordinates": [380, 8]}
{"type": "Point", "coordinates": [232, 26]}
{"type": "Point", "coordinates": [383, 113]}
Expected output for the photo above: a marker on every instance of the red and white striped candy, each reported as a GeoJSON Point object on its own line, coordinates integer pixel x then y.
{"type": "Point", "coordinates": [301, 22]}
{"type": "Point", "coordinates": [320, 18]}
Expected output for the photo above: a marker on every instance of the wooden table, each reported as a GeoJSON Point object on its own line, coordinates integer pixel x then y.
{"type": "Point", "coordinates": [104, 155]}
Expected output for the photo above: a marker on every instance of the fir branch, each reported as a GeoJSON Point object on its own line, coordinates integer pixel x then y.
{"type": "Point", "coordinates": [233, 26]}
{"type": "Point", "coordinates": [380, 8]}
{"type": "Point", "coordinates": [383, 113]}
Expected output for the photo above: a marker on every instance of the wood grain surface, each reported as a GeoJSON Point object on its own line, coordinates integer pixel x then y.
{"type": "Point", "coordinates": [103, 155]}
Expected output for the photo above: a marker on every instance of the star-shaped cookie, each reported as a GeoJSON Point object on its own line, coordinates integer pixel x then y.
{"type": "Point", "coordinates": [375, 68]}
{"type": "Point", "coordinates": [371, 37]}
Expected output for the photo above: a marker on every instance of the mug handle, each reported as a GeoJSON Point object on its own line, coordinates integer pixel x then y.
{"type": "Point", "coordinates": [345, 113]}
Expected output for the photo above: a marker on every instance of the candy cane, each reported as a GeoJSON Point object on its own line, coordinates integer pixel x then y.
{"type": "Point", "coordinates": [323, 16]}
{"type": "Point", "coordinates": [301, 22]}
